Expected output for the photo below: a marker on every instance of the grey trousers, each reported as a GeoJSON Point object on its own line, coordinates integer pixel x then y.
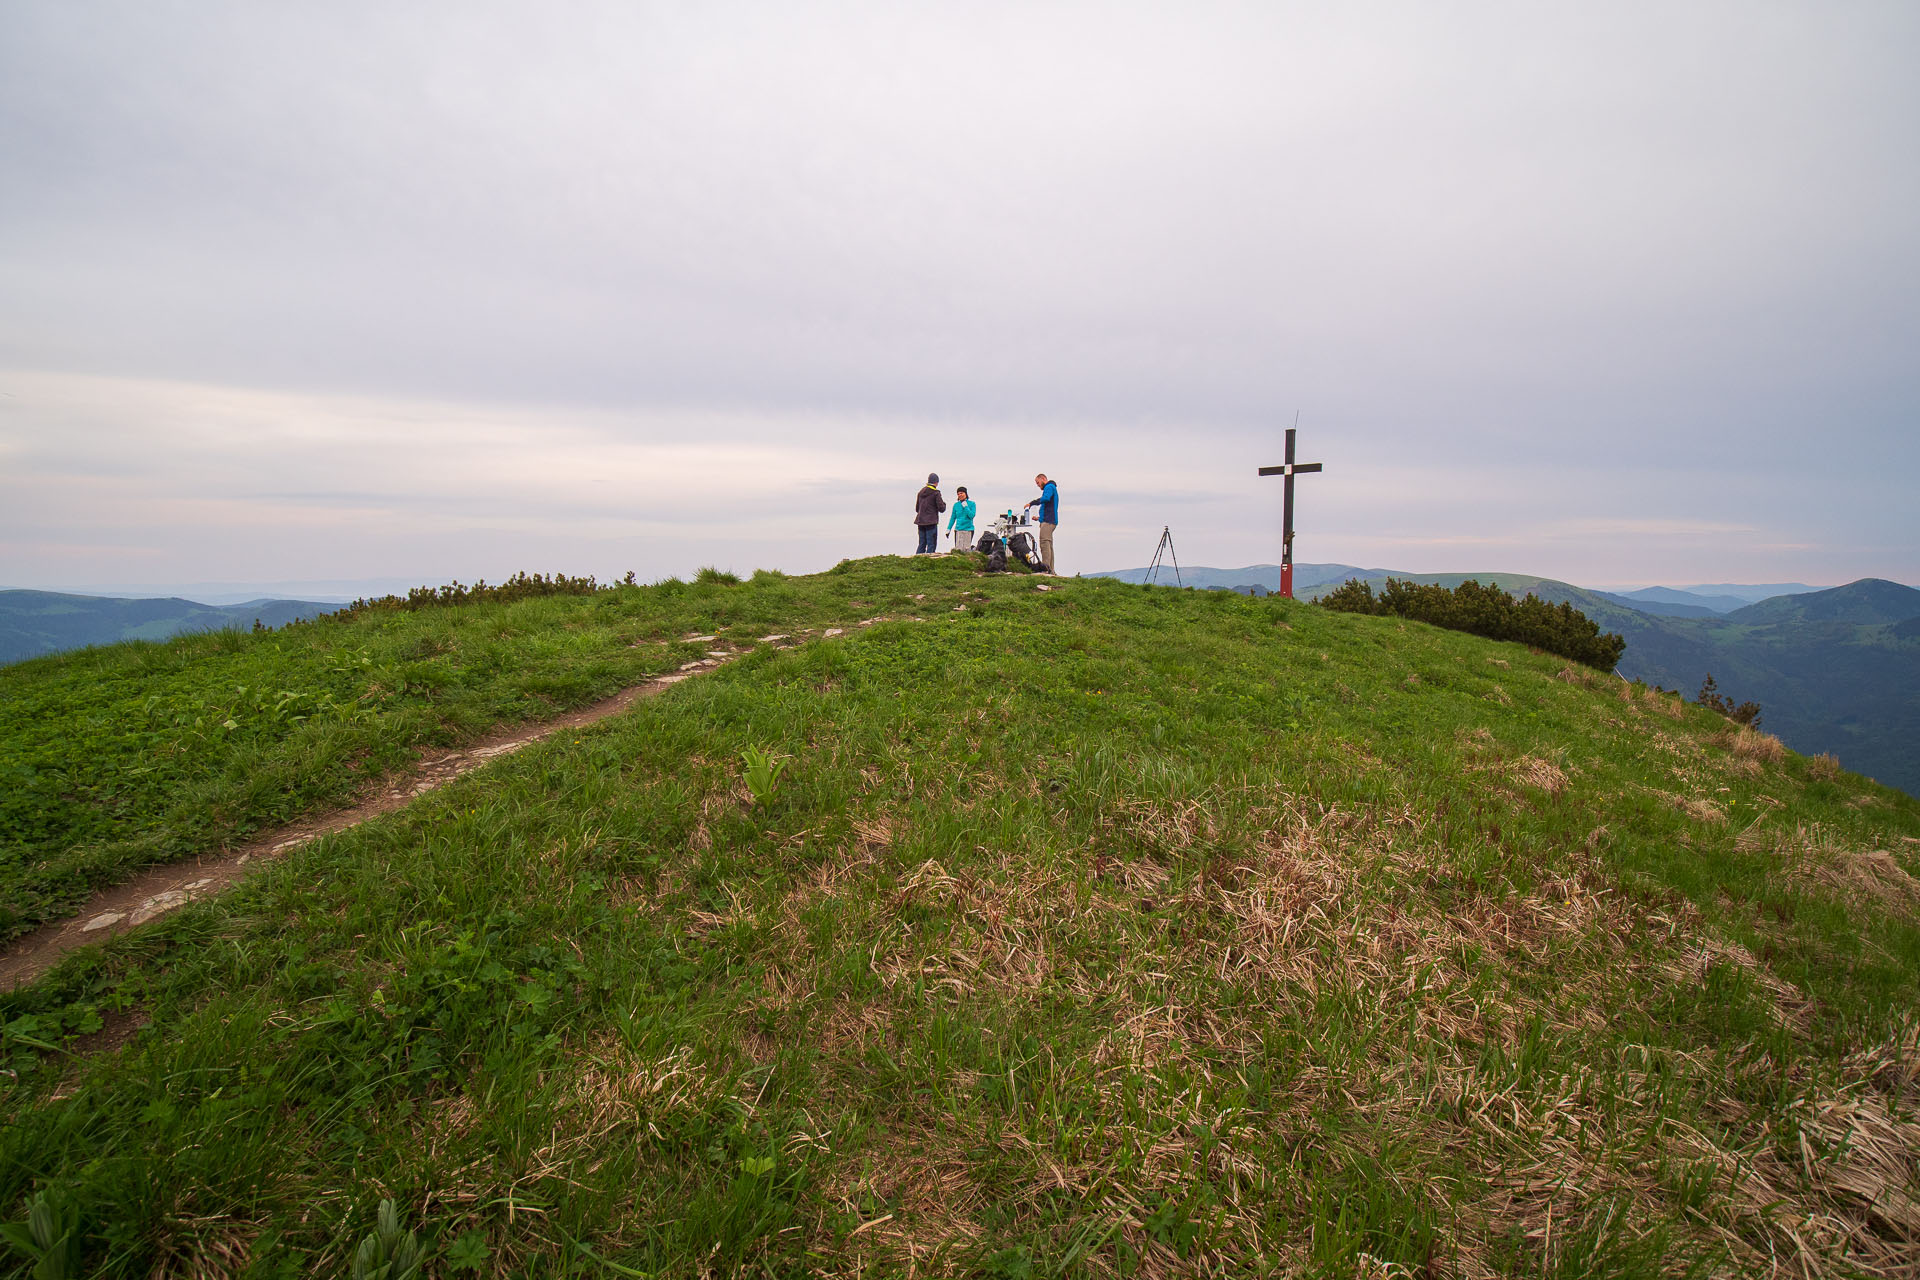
{"type": "Point", "coordinates": [1046, 546]}
{"type": "Point", "coordinates": [963, 539]}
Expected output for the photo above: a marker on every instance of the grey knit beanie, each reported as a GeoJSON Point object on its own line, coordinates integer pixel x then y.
{"type": "Point", "coordinates": [932, 478]}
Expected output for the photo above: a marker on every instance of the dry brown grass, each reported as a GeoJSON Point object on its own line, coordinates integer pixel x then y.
{"type": "Point", "coordinates": [1701, 809]}
{"type": "Point", "coordinates": [1667, 704]}
{"type": "Point", "coordinates": [1747, 743]}
{"type": "Point", "coordinates": [1535, 772]}
{"type": "Point", "coordinates": [1819, 855]}
{"type": "Point", "coordinates": [205, 1247]}
{"type": "Point", "coordinates": [1844, 1187]}
{"type": "Point", "coordinates": [616, 1087]}
{"type": "Point", "coordinates": [1289, 900]}
{"type": "Point", "coordinates": [1878, 874]}
{"type": "Point", "coordinates": [1824, 767]}
{"type": "Point", "coordinates": [1698, 952]}
{"type": "Point", "coordinates": [932, 1198]}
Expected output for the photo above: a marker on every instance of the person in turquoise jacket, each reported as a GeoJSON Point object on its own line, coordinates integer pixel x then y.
{"type": "Point", "coordinates": [960, 520]}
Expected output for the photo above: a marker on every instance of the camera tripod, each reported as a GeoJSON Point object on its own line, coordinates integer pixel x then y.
{"type": "Point", "coordinates": [1166, 547]}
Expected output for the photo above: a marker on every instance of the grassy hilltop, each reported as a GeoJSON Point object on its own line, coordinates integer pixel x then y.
{"type": "Point", "coordinates": [1094, 930]}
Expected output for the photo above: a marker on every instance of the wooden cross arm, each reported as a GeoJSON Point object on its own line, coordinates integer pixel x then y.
{"type": "Point", "coordinates": [1291, 469]}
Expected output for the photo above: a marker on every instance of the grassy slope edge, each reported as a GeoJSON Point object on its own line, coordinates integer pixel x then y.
{"type": "Point", "coordinates": [1107, 930]}
{"type": "Point", "coordinates": [124, 755]}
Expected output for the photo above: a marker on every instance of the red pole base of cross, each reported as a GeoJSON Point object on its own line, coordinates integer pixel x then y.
{"type": "Point", "coordinates": [1286, 582]}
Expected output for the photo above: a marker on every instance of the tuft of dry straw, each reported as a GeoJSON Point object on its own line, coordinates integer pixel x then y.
{"type": "Point", "coordinates": [1824, 767]}
{"type": "Point", "coordinates": [1535, 772]}
{"type": "Point", "coordinates": [874, 833]}
{"type": "Point", "coordinates": [1873, 872]}
{"type": "Point", "coordinates": [1666, 704]}
{"type": "Point", "coordinates": [1844, 1189]}
{"type": "Point", "coordinates": [1748, 743]}
{"type": "Point", "coordinates": [1813, 852]}
{"type": "Point", "coordinates": [1702, 810]}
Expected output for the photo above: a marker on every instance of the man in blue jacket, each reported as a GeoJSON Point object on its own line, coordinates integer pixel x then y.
{"type": "Point", "coordinates": [1049, 503]}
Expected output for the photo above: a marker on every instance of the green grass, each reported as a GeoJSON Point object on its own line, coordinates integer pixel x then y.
{"type": "Point", "coordinates": [125, 755]}
{"type": "Point", "coordinates": [1108, 930]}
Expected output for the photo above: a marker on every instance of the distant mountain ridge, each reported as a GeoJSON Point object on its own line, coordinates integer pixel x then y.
{"type": "Point", "coordinates": [33, 623]}
{"type": "Point", "coordinates": [1869, 602]}
{"type": "Point", "coordinates": [1670, 608]}
{"type": "Point", "coordinates": [1264, 576]}
{"type": "Point", "coordinates": [1834, 670]}
{"type": "Point", "coordinates": [1751, 592]}
{"type": "Point", "coordinates": [1646, 597]}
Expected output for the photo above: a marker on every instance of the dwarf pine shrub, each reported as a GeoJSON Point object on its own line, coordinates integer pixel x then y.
{"type": "Point", "coordinates": [1740, 713]}
{"type": "Point", "coordinates": [1485, 610]}
{"type": "Point", "coordinates": [521, 586]}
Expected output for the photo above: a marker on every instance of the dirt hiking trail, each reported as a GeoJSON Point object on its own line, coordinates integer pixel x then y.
{"type": "Point", "coordinates": [161, 888]}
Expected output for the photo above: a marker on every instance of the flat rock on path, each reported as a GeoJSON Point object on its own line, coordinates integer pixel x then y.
{"type": "Point", "coordinates": [160, 889]}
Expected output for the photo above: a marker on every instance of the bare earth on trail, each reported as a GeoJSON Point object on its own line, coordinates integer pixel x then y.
{"type": "Point", "coordinates": [160, 889]}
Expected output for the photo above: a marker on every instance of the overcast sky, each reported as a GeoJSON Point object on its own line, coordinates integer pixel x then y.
{"type": "Point", "coordinates": [299, 293]}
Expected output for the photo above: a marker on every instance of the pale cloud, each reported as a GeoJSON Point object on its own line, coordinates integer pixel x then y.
{"type": "Point", "coordinates": [1603, 292]}
{"type": "Point", "coordinates": [1586, 530]}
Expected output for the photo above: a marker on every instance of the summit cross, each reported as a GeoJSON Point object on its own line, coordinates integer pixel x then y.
{"type": "Point", "coordinates": [1289, 469]}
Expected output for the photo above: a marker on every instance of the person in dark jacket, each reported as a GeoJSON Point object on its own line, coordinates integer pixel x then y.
{"type": "Point", "coordinates": [926, 515]}
{"type": "Point", "coordinates": [1049, 504]}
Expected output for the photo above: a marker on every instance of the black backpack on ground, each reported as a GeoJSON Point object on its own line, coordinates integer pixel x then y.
{"type": "Point", "coordinates": [994, 550]}
{"type": "Point", "coordinates": [1022, 546]}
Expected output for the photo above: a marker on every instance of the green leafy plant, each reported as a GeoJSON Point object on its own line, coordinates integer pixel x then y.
{"type": "Point", "coordinates": [388, 1252]}
{"type": "Point", "coordinates": [1170, 1225]}
{"type": "Point", "coordinates": [1011, 1264]}
{"type": "Point", "coordinates": [763, 772]}
{"type": "Point", "coordinates": [29, 1037]}
{"type": "Point", "coordinates": [50, 1236]}
{"type": "Point", "coordinates": [469, 1251]}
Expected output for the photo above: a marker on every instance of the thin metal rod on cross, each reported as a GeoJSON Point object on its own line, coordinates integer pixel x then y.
{"type": "Point", "coordinates": [1289, 469]}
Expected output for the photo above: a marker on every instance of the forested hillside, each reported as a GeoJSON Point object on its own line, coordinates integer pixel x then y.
{"type": "Point", "coordinates": [37, 622]}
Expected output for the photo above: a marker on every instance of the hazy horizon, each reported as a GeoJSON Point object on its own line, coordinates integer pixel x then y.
{"type": "Point", "coordinates": [341, 591]}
